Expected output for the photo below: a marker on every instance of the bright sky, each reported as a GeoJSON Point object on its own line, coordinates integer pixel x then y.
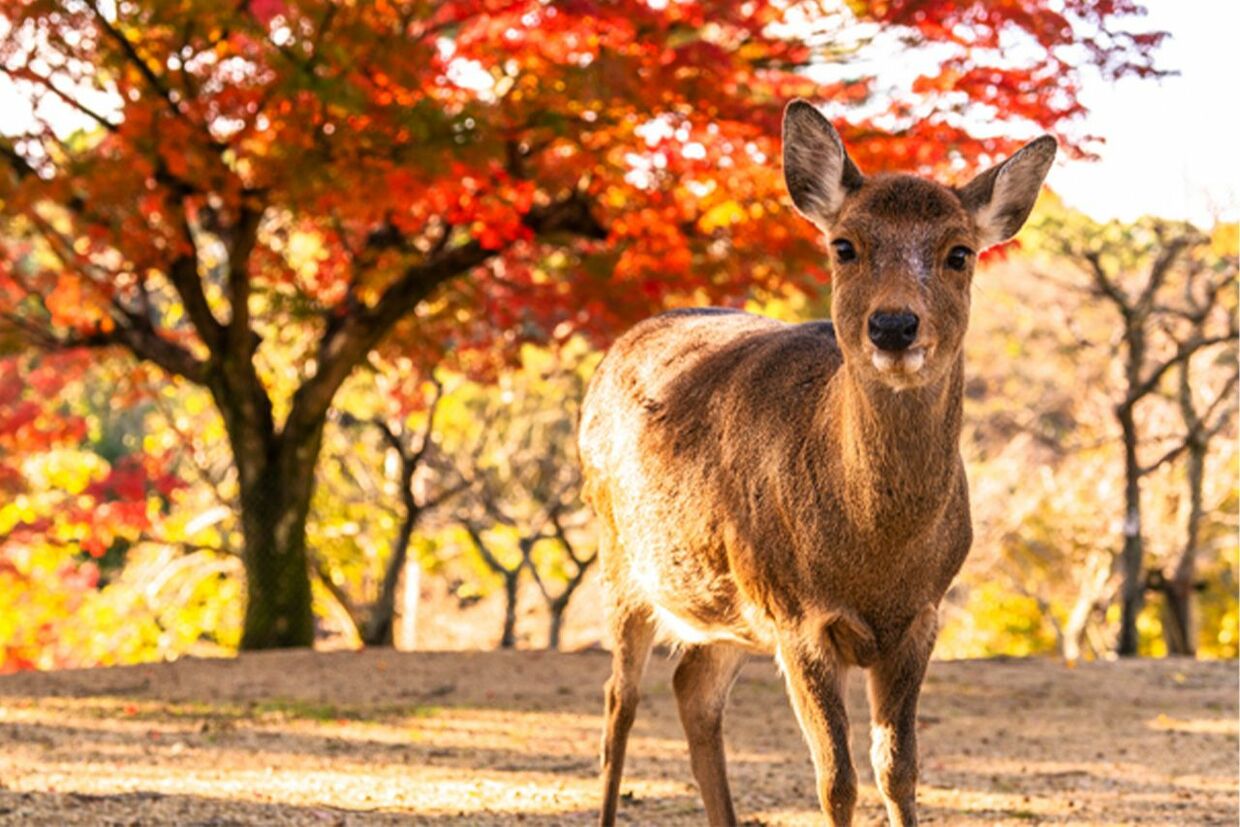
{"type": "Point", "coordinates": [1173, 146]}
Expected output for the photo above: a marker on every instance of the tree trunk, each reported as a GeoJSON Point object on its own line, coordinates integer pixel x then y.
{"type": "Point", "coordinates": [508, 639]}
{"type": "Point", "coordinates": [556, 623]}
{"type": "Point", "coordinates": [1180, 590]}
{"type": "Point", "coordinates": [379, 627]}
{"type": "Point", "coordinates": [1132, 587]}
{"type": "Point", "coordinates": [276, 488]}
{"type": "Point", "coordinates": [1177, 618]}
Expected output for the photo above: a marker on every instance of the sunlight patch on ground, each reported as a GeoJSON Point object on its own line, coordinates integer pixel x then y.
{"type": "Point", "coordinates": [1196, 726]}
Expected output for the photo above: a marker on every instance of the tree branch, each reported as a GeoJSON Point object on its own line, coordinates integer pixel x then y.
{"type": "Point", "coordinates": [1104, 284]}
{"type": "Point", "coordinates": [1159, 271]}
{"type": "Point", "coordinates": [484, 552]}
{"type": "Point", "coordinates": [156, 82]}
{"type": "Point", "coordinates": [338, 594]}
{"type": "Point", "coordinates": [185, 279]}
{"type": "Point", "coordinates": [429, 429]}
{"type": "Point", "coordinates": [1182, 352]}
{"type": "Point", "coordinates": [243, 236]}
{"type": "Point", "coordinates": [26, 73]}
{"type": "Point", "coordinates": [142, 341]}
{"type": "Point", "coordinates": [362, 328]}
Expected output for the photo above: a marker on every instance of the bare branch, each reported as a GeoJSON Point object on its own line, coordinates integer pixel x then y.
{"type": "Point", "coordinates": [1158, 272]}
{"type": "Point", "coordinates": [338, 594]}
{"type": "Point", "coordinates": [1199, 426]}
{"type": "Point", "coordinates": [484, 552]}
{"type": "Point", "coordinates": [444, 495]}
{"type": "Point", "coordinates": [142, 341]}
{"type": "Point", "coordinates": [26, 73]}
{"type": "Point", "coordinates": [429, 429]}
{"type": "Point", "coordinates": [1183, 351]}
{"type": "Point", "coordinates": [562, 537]}
{"type": "Point", "coordinates": [1105, 285]}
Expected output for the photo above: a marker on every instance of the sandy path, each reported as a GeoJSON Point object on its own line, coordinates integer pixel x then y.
{"type": "Point", "coordinates": [502, 738]}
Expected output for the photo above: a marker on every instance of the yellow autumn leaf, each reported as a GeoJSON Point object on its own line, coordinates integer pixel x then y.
{"type": "Point", "coordinates": [66, 470]}
{"type": "Point", "coordinates": [722, 215]}
{"type": "Point", "coordinates": [1225, 239]}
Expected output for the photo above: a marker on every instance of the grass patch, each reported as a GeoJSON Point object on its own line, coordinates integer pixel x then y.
{"type": "Point", "coordinates": [307, 710]}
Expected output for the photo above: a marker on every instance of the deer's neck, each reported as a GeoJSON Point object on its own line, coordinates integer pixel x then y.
{"type": "Point", "coordinates": [898, 450]}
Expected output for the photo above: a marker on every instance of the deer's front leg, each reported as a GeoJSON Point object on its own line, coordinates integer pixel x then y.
{"type": "Point", "coordinates": [895, 685]}
{"type": "Point", "coordinates": [816, 686]}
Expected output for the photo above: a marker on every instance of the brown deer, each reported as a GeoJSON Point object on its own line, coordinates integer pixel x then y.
{"type": "Point", "coordinates": [797, 489]}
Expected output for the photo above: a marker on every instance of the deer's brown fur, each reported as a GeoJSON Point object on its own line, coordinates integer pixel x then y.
{"type": "Point", "coordinates": [789, 489]}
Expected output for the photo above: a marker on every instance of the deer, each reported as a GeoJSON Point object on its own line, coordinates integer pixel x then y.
{"type": "Point", "coordinates": [797, 490]}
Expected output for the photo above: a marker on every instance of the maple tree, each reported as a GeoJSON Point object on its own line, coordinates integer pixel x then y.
{"type": "Point", "coordinates": [453, 177]}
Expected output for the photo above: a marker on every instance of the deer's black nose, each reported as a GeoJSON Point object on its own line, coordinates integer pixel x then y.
{"type": "Point", "coordinates": [893, 331]}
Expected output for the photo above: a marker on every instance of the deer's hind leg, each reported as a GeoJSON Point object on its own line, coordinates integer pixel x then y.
{"type": "Point", "coordinates": [633, 635]}
{"type": "Point", "coordinates": [703, 680]}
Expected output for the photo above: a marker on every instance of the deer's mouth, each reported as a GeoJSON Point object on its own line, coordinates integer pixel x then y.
{"type": "Point", "coordinates": [901, 367]}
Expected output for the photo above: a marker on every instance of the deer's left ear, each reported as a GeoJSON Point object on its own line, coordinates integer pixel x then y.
{"type": "Point", "coordinates": [1001, 198]}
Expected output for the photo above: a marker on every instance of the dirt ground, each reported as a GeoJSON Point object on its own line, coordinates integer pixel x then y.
{"type": "Point", "coordinates": [431, 738]}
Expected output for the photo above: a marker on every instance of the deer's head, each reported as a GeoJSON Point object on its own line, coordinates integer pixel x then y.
{"type": "Point", "coordinates": [903, 247]}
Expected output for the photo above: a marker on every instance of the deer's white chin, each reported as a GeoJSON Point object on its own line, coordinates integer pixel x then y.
{"type": "Point", "coordinates": [900, 369]}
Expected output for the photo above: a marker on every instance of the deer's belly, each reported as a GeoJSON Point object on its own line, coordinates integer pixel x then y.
{"type": "Point", "coordinates": [695, 605]}
{"type": "Point", "coordinates": [681, 628]}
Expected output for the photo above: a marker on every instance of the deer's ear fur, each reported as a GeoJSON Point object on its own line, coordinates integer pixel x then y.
{"type": "Point", "coordinates": [817, 169]}
{"type": "Point", "coordinates": [1001, 198]}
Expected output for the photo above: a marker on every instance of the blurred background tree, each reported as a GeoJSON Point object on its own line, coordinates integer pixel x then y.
{"type": "Point", "coordinates": [291, 215]}
{"type": "Point", "coordinates": [1160, 334]}
{"type": "Point", "coordinates": [525, 485]}
{"type": "Point", "coordinates": [1057, 388]}
{"type": "Point", "coordinates": [414, 474]}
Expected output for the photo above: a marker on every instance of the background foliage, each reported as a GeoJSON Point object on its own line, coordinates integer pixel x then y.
{"type": "Point", "coordinates": [297, 300]}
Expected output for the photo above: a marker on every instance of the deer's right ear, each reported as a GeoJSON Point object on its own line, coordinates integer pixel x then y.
{"type": "Point", "coordinates": [817, 170]}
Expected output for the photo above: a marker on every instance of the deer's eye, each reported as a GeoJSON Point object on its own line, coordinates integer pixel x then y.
{"type": "Point", "coordinates": [844, 250]}
{"type": "Point", "coordinates": [958, 258]}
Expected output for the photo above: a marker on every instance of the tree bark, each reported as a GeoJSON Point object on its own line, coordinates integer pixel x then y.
{"type": "Point", "coordinates": [1132, 578]}
{"type": "Point", "coordinates": [1177, 619]}
{"type": "Point", "coordinates": [379, 629]}
{"type": "Point", "coordinates": [1132, 588]}
{"type": "Point", "coordinates": [556, 624]}
{"type": "Point", "coordinates": [1180, 590]}
{"type": "Point", "coordinates": [276, 489]}
{"type": "Point", "coordinates": [508, 639]}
